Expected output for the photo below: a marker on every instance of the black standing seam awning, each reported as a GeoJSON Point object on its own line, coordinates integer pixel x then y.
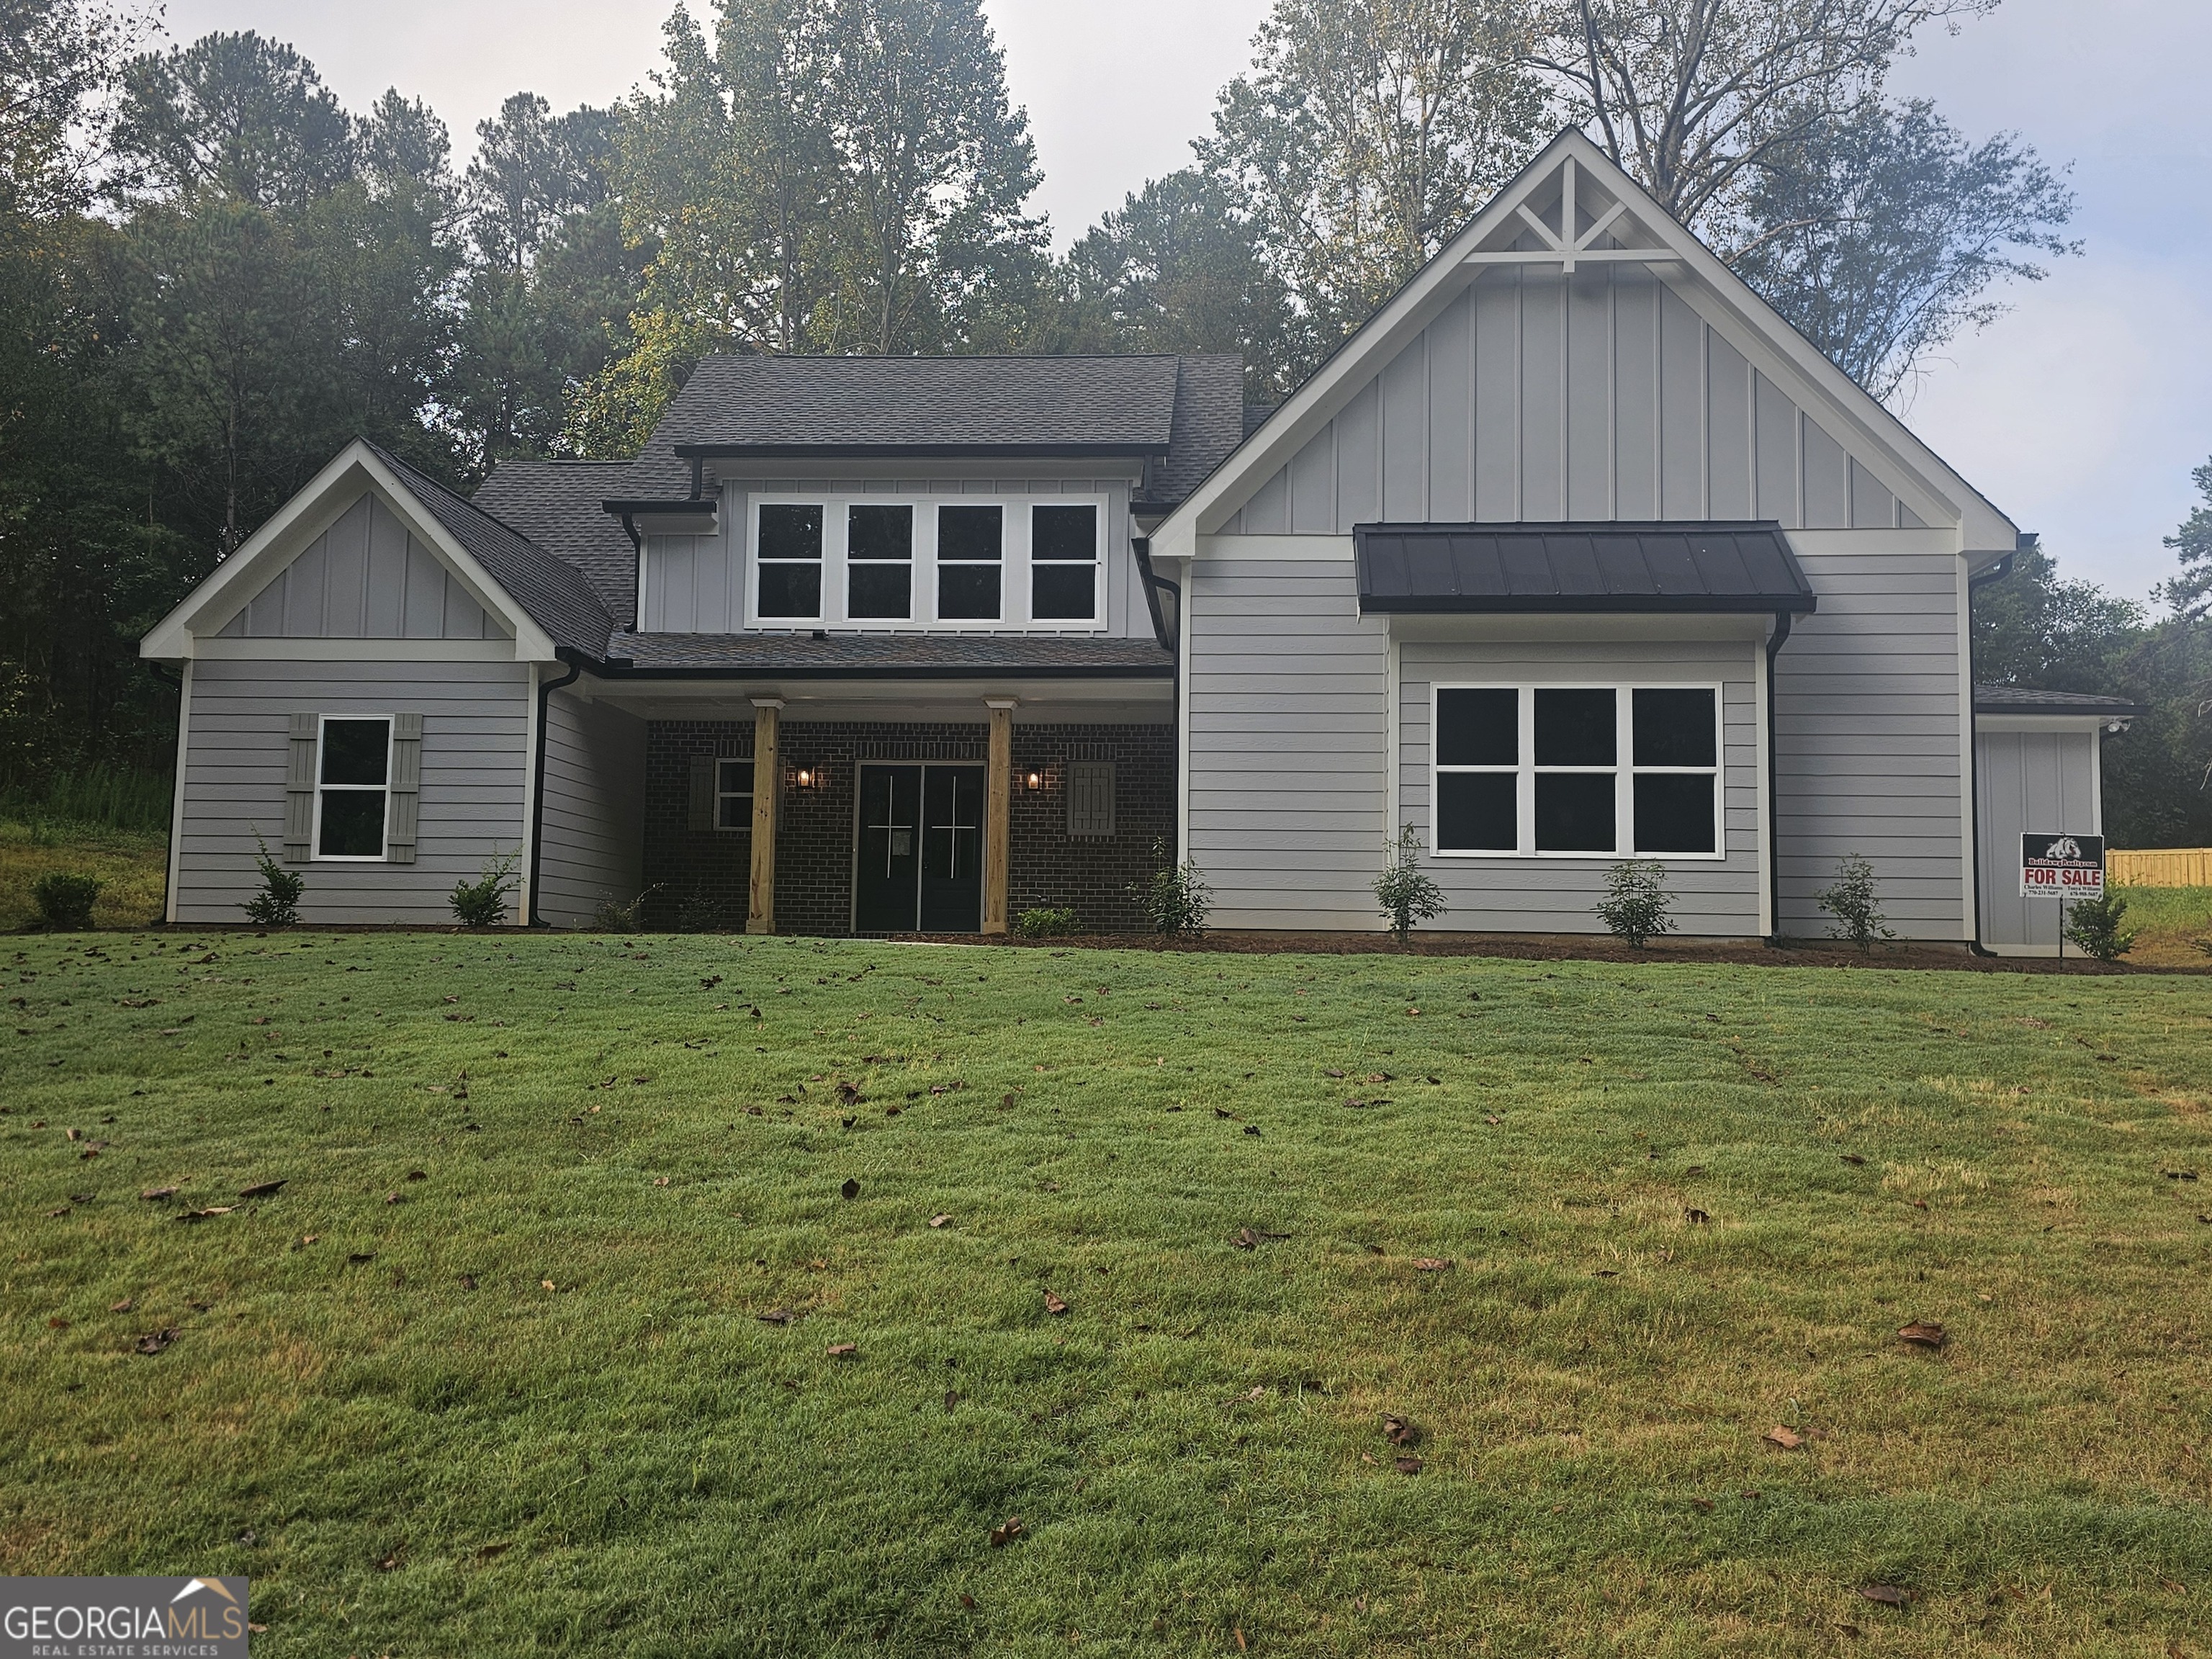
{"type": "Point", "coordinates": [1669, 568]}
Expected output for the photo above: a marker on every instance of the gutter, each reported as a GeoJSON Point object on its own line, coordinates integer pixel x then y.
{"type": "Point", "coordinates": [545, 690]}
{"type": "Point", "coordinates": [2028, 541]}
{"type": "Point", "coordinates": [1774, 644]}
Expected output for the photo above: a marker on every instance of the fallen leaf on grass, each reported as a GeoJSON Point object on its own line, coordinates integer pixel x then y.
{"type": "Point", "coordinates": [1398, 1430]}
{"type": "Point", "coordinates": [1493, 1120]}
{"type": "Point", "coordinates": [468, 1281]}
{"type": "Point", "coordinates": [123, 1306]}
{"type": "Point", "coordinates": [1246, 1239]}
{"type": "Point", "coordinates": [55, 1322]}
{"type": "Point", "coordinates": [486, 1551]}
{"type": "Point", "coordinates": [1432, 1264]}
{"type": "Point", "coordinates": [1054, 1305]}
{"type": "Point", "coordinates": [1696, 1218]}
{"type": "Point", "coordinates": [1407, 1465]}
{"type": "Point", "coordinates": [1781, 1437]}
{"type": "Point", "coordinates": [1853, 1158]}
{"type": "Point", "coordinates": [73, 1134]}
{"type": "Point", "coordinates": [362, 1258]}
{"type": "Point", "coordinates": [202, 1215]}
{"type": "Point", "coordinates": [544, 1284]}
{"type": "Point", "coordinates": [392, 1198]}
{"type": "Point", "coordinates": [850, 1189]}
{"type": "Point", "coordinates": [155, 1342]}
{"type": "Point", "coordinates": [1006, 1532]}
{"type": "Point", "coordinates": [844, 1350]}
{"type": "Point", "coordinates": [1889, 1594]}
{"type": "Point", "coordinates": [776, 1316]}
{"type": "Point", "coordinates": [940, 1220]}
{"type": "Point", "coordinates": [1921, 1335]}
{"type": "Point", "coordinates": [263, 1188]}
{"type": "Point", "coordinates": [660, 1181]}
{"type": "Point", "coordinates": [156, 1194]}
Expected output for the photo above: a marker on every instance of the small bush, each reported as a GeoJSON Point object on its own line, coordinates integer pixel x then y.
{"type": "Point", "coordinates": [1637, 904]}
{"type": "Point", "coordinates": [1046, 923]}
{"type": "Point", "coordinates": [277, 904]}
{"type": "Point", "coordinates": [1406, 892]}
{"type": "Point", "coordinates": [65, 901]}
{"type": "Point", "coordinates": [1175, 897]}
{"type": "Point", "coordinates": [700, 913]}
{"type": "Point", "coordinates": [1854, 901]}
{"type": "Point", "coordinates": [482, 902]}
{"type": "Point", "coordinates": [613, 917]}
{"type": "Point", "coordinates": [2094, 925]}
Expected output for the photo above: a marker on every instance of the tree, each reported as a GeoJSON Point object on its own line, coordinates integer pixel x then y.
{"type": "Point", "coordinates": [235, 115]}
{"type": "Point", "coordinates": [1367, 133]}
{"type": "Point", "coordinates": [2035, 628]}
{"type": "Point", "coordinates": [2190, 592]}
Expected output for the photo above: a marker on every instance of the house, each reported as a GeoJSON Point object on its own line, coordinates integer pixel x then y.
{"type": "Point", "coordinates": [1575, 551]}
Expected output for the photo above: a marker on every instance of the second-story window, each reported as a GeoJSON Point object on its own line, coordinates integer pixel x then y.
{"type": "Point", "coordinates": [970, 551]}
{"type": "Point", "coordinates": [791, 562]}
{"type": "Point", "coordinates": [1064, 564]}
{"type": "Point", "coordinates": [879, 563]}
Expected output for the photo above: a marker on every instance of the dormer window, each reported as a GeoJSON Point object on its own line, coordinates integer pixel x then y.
{"type": "Point", "coordinates": [790, 561]}
{"type": "Point", "coordinates": [1063, 563]}
{"type": "Point", "coordinates": [970, 550]}
{"type": "Point", "coordinates": [879, 563]}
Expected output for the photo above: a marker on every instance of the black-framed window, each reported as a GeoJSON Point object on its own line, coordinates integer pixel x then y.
{"type": "Point", "coordinates": [733, 794]}
{"type": "Point", "coordinates": [353, 782]}
{"type": "Point", "coordinates": [1479, 770]}
{"type": "Point", "coordinates": [790, 560]}
{"type": "Point", "coordinates": [1676, 768]}
{"type": "Point", "coordinates": [1063, 563]}
{"type": "Point", "coordinates": [970, 555]}
{"type": "Point", "coordinates": [879, 562]}
{"type": "Point", "coordinates": [1577, 755]}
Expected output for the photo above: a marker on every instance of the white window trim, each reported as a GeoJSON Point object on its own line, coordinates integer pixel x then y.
{"type": "Point", "coordinates": [1624, 769]}
{"type": "Point", "coordinates": [384, 846]}
{"type": "Point", "coordinates": [1014, 594]}
{"type": "Point", "coordinates": [746, 772]}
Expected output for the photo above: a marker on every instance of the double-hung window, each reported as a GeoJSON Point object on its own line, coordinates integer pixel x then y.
{"type": "Point", "coordinates": [790, 561]}
{"type": "Point", "coordinates": [1063, 563]}
{"type": "Point", "coordinates": [1587, 771]}
{"type": "Point", "coordinates": [353, 779]}
{"type": "Point", "coordinates": [970, 553]}
{"type": "Point", "coordinates": [879, 563]}
{"type": "Point", "coordinates": [733, 794]}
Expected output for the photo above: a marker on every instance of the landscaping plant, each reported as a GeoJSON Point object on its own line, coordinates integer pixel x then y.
{"type": "Point", "coordinates": [1406, 892]}
{"type": "Point", "coordinates": [2096, 926]}
{"type": "Point", "coordinates": [1048, 922]}
{"type": "Point", "coordinates": [64, 899]}
{"type": "Point", "coordinates": [1636, 905]}
{"type": "Point", "coordinates": [277, 904]}
{"type": "Point", "coordinates": [1853, 901]}
{"type": "Point", "coordinates": [1176, 898]}
{"type": "Point", "coordinates": [482, 902]}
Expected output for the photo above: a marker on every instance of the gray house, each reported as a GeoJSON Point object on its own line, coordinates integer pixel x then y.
{"type": "Point", "coordinates": [1574, 552]}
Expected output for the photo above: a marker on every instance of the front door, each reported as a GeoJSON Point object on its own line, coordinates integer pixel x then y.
{"type": "Point", "coordinates": [921, 855]}
{"type": "Point", "coordinates": [887, 884]}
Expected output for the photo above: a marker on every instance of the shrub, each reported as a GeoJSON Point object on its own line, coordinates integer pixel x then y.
{"type": "Point", "coordinates": [1175, 897]}
{"type": "Point", "coordinates": [482, 902]}
{"type": "Point", "coordinates": [2094, 925]}
{"type": "Point", "coordinates": [614, 917]}
{"type": "Point", "coordinates": [1636, 905]}
{"type": "Point", "coordinates": [700, 913]}
{"type": "Point", "coordinates": [64, 900]}
{"type": "Point", "coordinates": [1046, 923]}
{"type": "Point", "coordinates": [1855, 904]}
{"type": "Point", "coordinates": [277, 904]}
{"type": "Point", "coordinates": [1406, 892]}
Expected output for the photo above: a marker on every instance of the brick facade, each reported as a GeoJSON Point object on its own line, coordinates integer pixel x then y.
{"type": "Point", "coordinates": [698, 879]}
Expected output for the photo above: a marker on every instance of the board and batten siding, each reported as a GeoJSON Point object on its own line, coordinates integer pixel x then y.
{"type": "Point", "coordinates": [365, 578]}
{"type": "Point", "coordinates": [696, 584]}
{"type": "Point", "coordinates": [1869, 702]}
{"type": "Point", "coordinates": [476, 717]}
{"type": "Point", "coordinates": [2030, 783]}
{"type": "Point", "coordinates": [1286, 682]}
{"type": "Point", "coordinates": [1534, 397]}
{"type": "Point", "coordinates": [593, 821]}
{"type": "Point", "coordinates": [1712, 896]}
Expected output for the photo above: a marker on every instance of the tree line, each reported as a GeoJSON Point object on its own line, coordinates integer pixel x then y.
{"type": "Point", "coordinates": [212, 274]}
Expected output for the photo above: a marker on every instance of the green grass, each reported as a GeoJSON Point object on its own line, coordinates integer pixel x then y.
{"type": "Point", "coordinates": [2170, 921]}
{"type": "Point", "coordinates": [375, 1406]}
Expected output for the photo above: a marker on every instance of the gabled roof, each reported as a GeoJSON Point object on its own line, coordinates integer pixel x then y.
{"type": "Point", "coordinates": [556, 504]}
{"type": "Point", "coordinates": [1498, 232]}
{"type": "Point", "coordinates": [1610, 567]}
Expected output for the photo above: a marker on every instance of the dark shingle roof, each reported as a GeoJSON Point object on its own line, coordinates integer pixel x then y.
{"type": "Point", "coordinates": [1209, 422]}
{"type": "Point", "coordinates": [1682, 568]}
{"type": "Point", "coordinates": [555, 595]}
{"type": "Point", "coordinates": [923, 654]}
{"type": "Point", "coordinates": [2025, 700]}
{"type": "Point", "coordinates": [557, 505]}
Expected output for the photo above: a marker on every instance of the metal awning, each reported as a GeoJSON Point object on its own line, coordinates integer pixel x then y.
{"type": "Point", "coordinates": [1679, 568]}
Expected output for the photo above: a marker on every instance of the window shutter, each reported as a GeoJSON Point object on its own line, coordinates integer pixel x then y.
{"type": "Point", "coordinates": [1090, 798]}
{"type": "Point", "coordinates": [406, 787]}
{"type": "Point", "coordinates": [300, 791]}
{"type": "Point", "coordinates": [702, 792]}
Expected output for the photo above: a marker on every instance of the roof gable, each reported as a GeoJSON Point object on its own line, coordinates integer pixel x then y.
{"type": "Point", "coordinates": [1575, 353]}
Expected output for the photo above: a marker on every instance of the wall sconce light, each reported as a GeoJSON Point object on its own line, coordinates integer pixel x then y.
{"type": "Point", "coordinates": [809, 777]}
{"type": "Point", "coordinates": [1034, 781]}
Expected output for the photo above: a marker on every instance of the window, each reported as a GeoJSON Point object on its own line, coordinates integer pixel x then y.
{"type": "Point", "coordinates": [790, 559]}
{"type": "Point", "coordinates": [353, 775]}
{"type": "Point", "coordinates": [971, 544]}
{"type": "Point", "coordinates": [1063, 563]}
{"type": "Point", "coordinates": [1587, 771]}
{"type": "Point", "coordinates": [1090, 798]}
{"type": "Point", "coordinates": [733, 794]}
{"type": "Point", "coordinates": [879, 563]}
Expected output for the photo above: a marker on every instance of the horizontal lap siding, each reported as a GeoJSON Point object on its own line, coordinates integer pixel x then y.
{"type": "Point", "coordinates": [1555, 895]}
{"type": "Point", "coordinates": [594, 826]}
{"type": "Point", "coordinates": [1867, 701]}
{"type": "Point", "coordinates": [1285, 687]}
{"type": "Point", "coordinates": [475, 734]}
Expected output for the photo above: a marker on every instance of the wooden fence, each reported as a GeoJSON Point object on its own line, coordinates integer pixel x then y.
{"type": "Point", "coordinates": [2160, 867]}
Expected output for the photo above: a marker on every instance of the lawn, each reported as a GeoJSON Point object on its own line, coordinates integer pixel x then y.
{"type": "Point", "coordinates": [133, 867]}
{"type": "Point", "coordinates": [537, 1348]}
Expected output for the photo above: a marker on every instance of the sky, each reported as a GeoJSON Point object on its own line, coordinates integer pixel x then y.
{"type": "Point", "coordinates": [2081, 413]}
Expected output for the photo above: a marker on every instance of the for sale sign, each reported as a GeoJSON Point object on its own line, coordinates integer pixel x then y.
{"type": "Point", "coordinates": [2062, 867]}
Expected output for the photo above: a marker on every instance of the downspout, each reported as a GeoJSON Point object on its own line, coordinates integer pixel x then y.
{"type": "Point", "coordinates": [175, 679]}
{"type": "Point", "coordinates": [1153, 583]}
{"type": "Point", "coordinates": [1996, 572]}
{"type": "Point", "coordinates": [637, 570]}
{"type": "Point", "coordinates": [545, 690]}
{"type": "Point", "coordinates": [1774, 643]}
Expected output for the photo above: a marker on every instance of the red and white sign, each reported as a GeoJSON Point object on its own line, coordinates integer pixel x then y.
{"type": "Point", "coordinates": [2062, 867]}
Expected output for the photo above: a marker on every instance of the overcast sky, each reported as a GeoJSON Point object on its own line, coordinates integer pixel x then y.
{"type": "Point", "coordinates": [2081, 413]}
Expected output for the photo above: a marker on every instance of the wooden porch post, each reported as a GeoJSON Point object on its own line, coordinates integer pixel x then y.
{"type": "Point", "coordinates": [997, 799]}
{"type": "Point", "coordinates": [768, 787]}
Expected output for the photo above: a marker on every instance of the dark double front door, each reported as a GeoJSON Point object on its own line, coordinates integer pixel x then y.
{"type": "Point", "coordinates": [921, 859]}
